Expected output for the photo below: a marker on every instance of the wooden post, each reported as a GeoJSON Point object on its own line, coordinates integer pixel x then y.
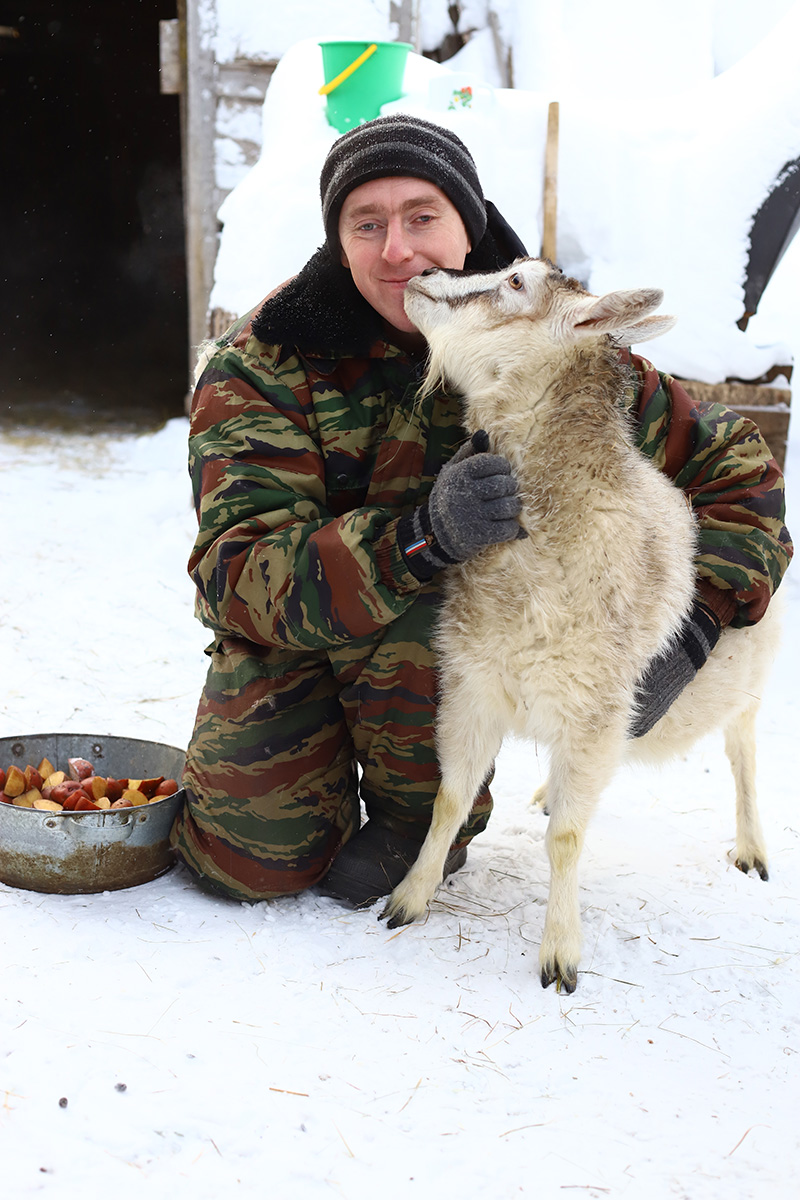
{"type": "Point", "coordinates": [200, 96]}
{"type": "Point", "coordinates": [169, 57]}
{"type": "Point", "coordinates": [549, 229]}
{"type": "Point", "coordinates": [405, 14]}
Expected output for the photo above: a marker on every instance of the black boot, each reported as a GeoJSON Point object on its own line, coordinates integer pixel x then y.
{"type": "Point", "coordinates": [372, 864]}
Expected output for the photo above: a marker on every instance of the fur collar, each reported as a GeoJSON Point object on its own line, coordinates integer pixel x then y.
{"type": "Point", "coordinates": [322, 313]}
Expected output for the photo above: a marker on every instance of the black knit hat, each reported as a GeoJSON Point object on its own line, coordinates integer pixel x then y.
{"type": "Point", "coordinates": [401, 145]}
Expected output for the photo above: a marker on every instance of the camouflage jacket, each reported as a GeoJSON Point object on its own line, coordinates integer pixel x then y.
{"type": "Point", "coordinates": [307, 444]}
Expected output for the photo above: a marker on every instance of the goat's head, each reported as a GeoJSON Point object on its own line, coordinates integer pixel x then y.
{"type": "Point", "coordinates": [482, 327]}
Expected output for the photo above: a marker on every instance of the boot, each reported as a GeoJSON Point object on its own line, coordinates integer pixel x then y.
{"type": "Point", "coordinates": [372, 864]}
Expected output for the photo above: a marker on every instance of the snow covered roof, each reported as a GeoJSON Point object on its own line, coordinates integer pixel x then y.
{"type": "Point", "coordinates": [654, 190]}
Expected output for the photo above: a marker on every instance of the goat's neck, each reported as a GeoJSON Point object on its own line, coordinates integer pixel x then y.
{"type": "Point", "coordinates": [566, 406]}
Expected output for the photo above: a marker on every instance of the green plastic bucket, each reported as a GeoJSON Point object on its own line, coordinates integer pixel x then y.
{"type": "Point", "coordinates": [375, 82]}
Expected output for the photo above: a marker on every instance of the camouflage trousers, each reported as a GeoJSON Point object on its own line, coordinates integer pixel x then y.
{"type": "Point", "coordinates": [288, 744]}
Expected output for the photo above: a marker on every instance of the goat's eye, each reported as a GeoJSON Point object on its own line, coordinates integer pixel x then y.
{"type": "Point", "coordinates": [516, 282]}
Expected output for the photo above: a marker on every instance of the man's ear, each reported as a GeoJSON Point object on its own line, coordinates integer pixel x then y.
{"type": "Point", "coordinates": [345, 262]}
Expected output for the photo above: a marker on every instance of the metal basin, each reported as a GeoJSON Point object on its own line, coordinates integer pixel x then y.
{"type": "Point", "coordinates": [70, 852]}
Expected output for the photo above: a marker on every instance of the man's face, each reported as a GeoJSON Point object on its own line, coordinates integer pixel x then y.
{"type": "Point", "coordinates": [392, 229]}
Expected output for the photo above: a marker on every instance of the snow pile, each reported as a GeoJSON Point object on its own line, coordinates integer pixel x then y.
{"type": "Point", "coordinates": [623, 49]}
{"type": "Point", "coordinates": [654, 189]}
{"type": "Point", "coordinates": [206, 1048]}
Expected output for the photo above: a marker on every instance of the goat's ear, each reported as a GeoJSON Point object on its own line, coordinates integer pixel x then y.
{"type": "Point", "coordinates": [643, 331]}
{"type": "Point", "coordinates": [614, 312]}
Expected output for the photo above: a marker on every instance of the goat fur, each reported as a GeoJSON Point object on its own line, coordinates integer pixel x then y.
{"type": "Point", "coordinates": [547, 637]}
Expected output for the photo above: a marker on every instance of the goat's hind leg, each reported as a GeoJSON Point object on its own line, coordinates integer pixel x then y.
{"type": "Point", "coordinates": [540, 799]}
{"type": "Point", "coordinates": [466, 755]}
{"type": "Point", "coordinates": [740, 747]}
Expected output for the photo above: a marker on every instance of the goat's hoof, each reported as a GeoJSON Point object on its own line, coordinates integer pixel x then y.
{"type": "Point", "coordinates": [396, 913]}
{"type": "Point", "coordinates": [565, 978]}
{"type": "Point", "coordinates": [757, 865]}
{"type": "Point", "coordinates": [395, 919]}
{"type": "Point", "coordinates": [539, 799]}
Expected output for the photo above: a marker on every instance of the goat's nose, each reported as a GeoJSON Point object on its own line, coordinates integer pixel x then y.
{"type": "Point", "coordinates": [430, 270]}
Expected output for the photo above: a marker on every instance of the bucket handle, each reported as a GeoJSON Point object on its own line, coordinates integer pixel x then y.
{"type": "Point", "coordinates": [348, 71]}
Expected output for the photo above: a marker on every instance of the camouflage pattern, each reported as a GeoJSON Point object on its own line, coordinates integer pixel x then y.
{"type": "Point", "coordinates": [321, 687]}
{"type": "Point", "coordinates": [322, 658]}
{"type": "Point", "coordinates": [734, 485]}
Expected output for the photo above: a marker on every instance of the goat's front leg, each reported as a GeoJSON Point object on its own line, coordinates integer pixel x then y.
{"type": "Point", "coordinates": [467, 748]}
{"type": "Point", "coordinates": [576, 780]}
{"type": "Point", "coordinates": [410, 899]}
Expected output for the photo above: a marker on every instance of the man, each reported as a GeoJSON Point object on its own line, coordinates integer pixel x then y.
{"type": "Point", "coordinates": [331, 499]}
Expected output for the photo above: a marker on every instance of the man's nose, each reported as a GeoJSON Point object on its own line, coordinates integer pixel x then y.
{"type": "Point", "coordinates": [397, 246]}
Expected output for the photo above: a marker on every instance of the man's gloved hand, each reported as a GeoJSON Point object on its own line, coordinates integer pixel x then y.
{"type": "Point", "coordinates": [668, 673]}
{"type": "Point", "coordinates": [474, 503]}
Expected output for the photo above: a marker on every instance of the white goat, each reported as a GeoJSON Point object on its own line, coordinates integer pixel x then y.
{"type": "Point", "coordinates": [546, 637]}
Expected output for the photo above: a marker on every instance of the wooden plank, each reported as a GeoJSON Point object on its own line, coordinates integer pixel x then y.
{"type": "Point", "coordinates": [769, 407]}
{"type": "Point", "coordinates": [550, 205]}
{"type": "Point", "coordinates": [405, 15]}
{"type": "Point", "coordinates": [199, 179]}
{"type": "Point", "coordinates": [219, 321]}
{"type": "Point", "coordinates": [169, 57]}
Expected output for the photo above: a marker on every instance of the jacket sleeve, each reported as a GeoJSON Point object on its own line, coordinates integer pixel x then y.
{"type": "Point", "coordinates": [734, 485]}
{"type": "Point", "coordinates": [271, 563]}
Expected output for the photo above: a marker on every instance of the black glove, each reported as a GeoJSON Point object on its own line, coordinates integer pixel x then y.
{"type": "Point", "coordinates": [473, 504]}
{"type": "Point", "coordinates": [668, 673]}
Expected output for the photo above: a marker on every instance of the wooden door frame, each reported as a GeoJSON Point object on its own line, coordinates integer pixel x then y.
{"type": "Point", "coordinates": [198, 123]}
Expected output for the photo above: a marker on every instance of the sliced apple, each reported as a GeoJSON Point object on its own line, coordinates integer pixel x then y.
{"type": "Point", "coordinates": [33, 778]}
{"type": "Point", "coordinates": [73, 799]}
{"type": "Point", "coordinates": [115, 788]}
{"type": "Point", "coordinates": [84, 804]}
{"type": "Point", "coordinates": [135, 796]}
{"type": "Point", "coordinates": [60, 792]}
{"type": "Point", "coordinates": [45, 768]}
{"type": "Point", "coordinates": [95, 786]}
{"type": "Point", "coordinates": [148, 786]}
{"type": "Point", "coordinates": [79, 769]}
{"type": "Point", "coordinates": [168, 787]}
{"type": "Point", "coordinates": [26, 799]}
{"type": "Point", "coordinates": [15, 782]}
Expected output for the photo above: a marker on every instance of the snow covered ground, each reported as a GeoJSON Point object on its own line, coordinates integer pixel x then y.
{"type": "Point", "coordinates": [296, 1049]}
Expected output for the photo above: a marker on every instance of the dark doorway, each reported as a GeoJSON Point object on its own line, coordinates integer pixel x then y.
{"type": "Point", "coordinates": [93, 309]}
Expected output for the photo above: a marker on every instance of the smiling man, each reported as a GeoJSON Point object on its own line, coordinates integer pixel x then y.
{"type": "Point", "coordinates": [331, 498]}
{"type": "Point", "coordinates": [326, 519]}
